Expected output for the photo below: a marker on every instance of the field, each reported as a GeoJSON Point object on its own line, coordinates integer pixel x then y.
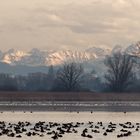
{"type": "Point", "coordinates": [68, 96]}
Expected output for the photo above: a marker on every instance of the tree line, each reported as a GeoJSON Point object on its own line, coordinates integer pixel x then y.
{"type": "Point", "coordinates": [121, 76]}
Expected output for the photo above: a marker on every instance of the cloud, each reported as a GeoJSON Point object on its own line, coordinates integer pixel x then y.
{"type": "Point", "coordinates": [54, 18]}
{"type": "Point", "coordinates": [73, 24]}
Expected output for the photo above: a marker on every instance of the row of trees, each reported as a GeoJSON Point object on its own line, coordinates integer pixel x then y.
{"type": "Point", "coordinates": [69, 77]}
{"type": "Point", "coordinates": [119, 77]}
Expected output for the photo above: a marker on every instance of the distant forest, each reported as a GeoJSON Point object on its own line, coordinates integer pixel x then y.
{"type": "Point", "coordinates": [122, 75]}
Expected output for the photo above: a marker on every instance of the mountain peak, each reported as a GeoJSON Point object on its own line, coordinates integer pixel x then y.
{"type": "Point", "coordinates": [99, 51]}
{"type": "Point", "coordinates": [12, 55]}
{"type": "Point", "coordinates": [133, 49]}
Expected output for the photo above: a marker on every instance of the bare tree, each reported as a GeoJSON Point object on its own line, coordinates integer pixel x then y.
{"type": "Point", "coordinates": [120, 73]}
{"type": "Point", "coordinates": [69, 76]}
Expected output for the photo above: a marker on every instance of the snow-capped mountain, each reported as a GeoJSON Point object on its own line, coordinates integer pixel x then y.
{"type": "Point", "coordinates": [60, 57]}
{"type": "Point", "coordinates": [12, 56]}
{"type": "Point", "coordinates": [133, 49]}
{"type": "Point", "coordinates": [117, 48]}
{"type": "Point", "coordinates": [99, 51]}
{"type": "Point", "coordinates": [36, 57]}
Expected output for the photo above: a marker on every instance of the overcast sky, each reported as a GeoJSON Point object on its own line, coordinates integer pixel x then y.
{"type": "Point", "coordinates": [68, 24]}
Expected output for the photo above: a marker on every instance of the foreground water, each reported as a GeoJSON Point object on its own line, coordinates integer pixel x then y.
{"type": "Point", "coordinates": [74, 117]}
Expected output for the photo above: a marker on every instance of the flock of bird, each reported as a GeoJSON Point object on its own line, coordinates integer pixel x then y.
{"type": "Point", "coordinates": [57, 130]}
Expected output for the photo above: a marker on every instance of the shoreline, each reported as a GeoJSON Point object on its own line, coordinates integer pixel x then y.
{"type": "Point", "coordinates": [69, 101]}
{"type": "Point", "coordinates": [108, 106]}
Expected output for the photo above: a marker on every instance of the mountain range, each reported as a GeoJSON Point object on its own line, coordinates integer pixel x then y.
{"type": "Point", "coordinates": [37, 57]}
{"type": "Point", "coordinates": [16, 60]}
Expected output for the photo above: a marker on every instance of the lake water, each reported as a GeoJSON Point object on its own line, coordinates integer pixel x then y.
{"type": "Point", "coordinates": [82, 117]}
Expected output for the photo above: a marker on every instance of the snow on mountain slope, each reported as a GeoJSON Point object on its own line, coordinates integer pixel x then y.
{"type": "Point", "coordinates": [37, 57]}
{"type": "Point", "coordinates": [117, 48]}
{"type": "Point", "coordinates": [133, 49]}
{"type": "Point", "coordinates": [60, 57]}
{"type": "Point", "coordinates": [99, 51]}
{"type": "Point", "coordinates": [12, 56]}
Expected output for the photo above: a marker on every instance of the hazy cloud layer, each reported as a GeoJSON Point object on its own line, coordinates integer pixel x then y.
{"type": "Point", "coordinates": [68, 24]}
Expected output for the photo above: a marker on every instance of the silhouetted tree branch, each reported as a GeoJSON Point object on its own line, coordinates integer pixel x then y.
{"type": "Point", "coordinates": [120, 72]}
{"type": "Point", "coordinates": [69, 76]}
